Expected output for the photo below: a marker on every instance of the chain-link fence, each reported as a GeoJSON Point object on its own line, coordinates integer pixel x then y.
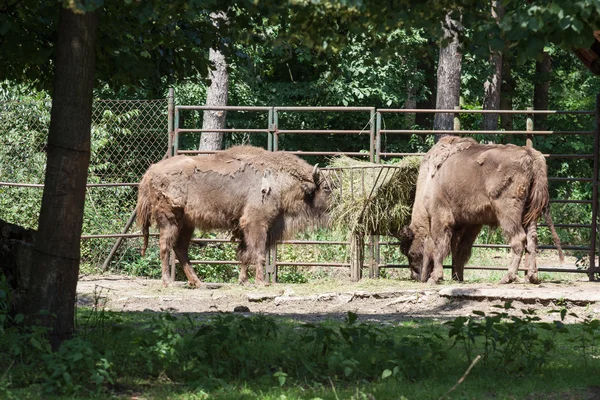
{"type": "Point", "coordinates": [127, 136]}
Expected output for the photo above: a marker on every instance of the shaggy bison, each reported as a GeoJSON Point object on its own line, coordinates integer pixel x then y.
{"type": "Point", "coordinates": [463, 185]}
{"type": "Point", "coordinates": [259, 196]}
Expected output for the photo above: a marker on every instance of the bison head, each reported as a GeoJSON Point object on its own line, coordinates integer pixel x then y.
{"type": "Point", "coordinates": [318, 193]}
{"type": "Point", "coordinates": [413, 250]}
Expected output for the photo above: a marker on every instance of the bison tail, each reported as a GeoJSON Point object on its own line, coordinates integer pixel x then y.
{"type": "Point", "coordinates": [538, 200]}
{"type": "Point", "coordinates": [144, 212]}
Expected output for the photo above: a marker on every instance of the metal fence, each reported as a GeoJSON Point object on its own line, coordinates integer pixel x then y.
{"type": "Point", "coordinates": [127, 136]}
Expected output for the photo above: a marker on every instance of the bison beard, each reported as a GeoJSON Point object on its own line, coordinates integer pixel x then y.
{"type": "Point", "coordinates": [464, 185]}
{"type": "Point", "coordinates": [259, 196]}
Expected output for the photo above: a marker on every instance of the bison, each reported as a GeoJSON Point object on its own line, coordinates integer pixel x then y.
{"type": "Point", "coordinates": [258, 195]}
{"type": "Point", "coordinates": [463, 185]}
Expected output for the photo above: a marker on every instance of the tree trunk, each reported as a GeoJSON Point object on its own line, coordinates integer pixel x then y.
{"type": "Point", "coordinates": [426, 64]}
{"type": "Point", "coordinates": [411, 104]}
{"type": "Point", "coordinates": [216, 95]}
{"type": "Point", "coordinates": [448, 76]}
{"type": "Point", "coordinates": [492, 86]}
{"type": "Point", "coordinates": [56, 255]}
{"type": "Point", "coordinates": [540, 91]}
{"type": "Point", "coordinates": [506, 94]}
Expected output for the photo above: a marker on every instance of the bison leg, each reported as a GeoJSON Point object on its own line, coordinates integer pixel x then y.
{"type": "Point", "coordinates": [181, 248]}
{"type": "Point", "coordinates": [255, 235]}
{"type": "Point", "coordinates": [244, 257]}
{"type": "Point", "coordinates": [427, 265]}
{"type": "Point", "coordinates": [530, 254]}
{"type": "Point", "coordinates": [462, 244]}
{"type": "Point", "coordinates": [441, 231]}
{"type": "Point", "coordinates": [168, 236]}
{"type": "Point", "coordinates": [517, 244]}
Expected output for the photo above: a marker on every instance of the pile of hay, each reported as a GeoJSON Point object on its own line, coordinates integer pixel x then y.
{"type": "Point", "coordinates": [372, 198]}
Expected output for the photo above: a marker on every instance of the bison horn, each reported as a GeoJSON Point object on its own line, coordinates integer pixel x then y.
{"type": "Point", "coordinates": [315, 173]}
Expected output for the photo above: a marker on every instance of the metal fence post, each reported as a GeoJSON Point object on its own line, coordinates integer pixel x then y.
{"type": "Point", "coordinates": [171, 102]}
{"type": "Point", "coordinates": [378, 138]}
{"type": "Point", "coordinates": [594, 235]}
{"type": "Point", "coordinates": [529, 128]}
{"type": "Point", "coordinates": [272, 146]}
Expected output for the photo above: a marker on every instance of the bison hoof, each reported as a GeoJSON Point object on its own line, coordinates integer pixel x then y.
{"type": "Point", "coordinates": [262, 283]}
{"type": "Point", "coordinates": [244, 282]}
{"type": "Point", "coordinates": [509, 279]}
{"type": "Point", "coordinates": [534, 279]}
{"type": "Point", "coordinates": [433, 281]}
{"type": "Point", "coordinates": [195, 284]}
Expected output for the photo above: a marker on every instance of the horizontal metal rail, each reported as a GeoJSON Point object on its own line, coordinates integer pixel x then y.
{"type": "Point", "coordinates": [464, 111]}
{"type": "Point", "coordinates": [224, 130]}
{"type": "Point", "coordinates": [324, 109]}
{"type": "Point", "coordinates": [90, 185]}
{"type": "Point", "coordinates": [225, 108]}
{"type": "Point", "coordinates": [321, 131]}
{"type": "Point", "coordinates": [493, 268]}
{"type": "Point", "coordinates": [480, 132]}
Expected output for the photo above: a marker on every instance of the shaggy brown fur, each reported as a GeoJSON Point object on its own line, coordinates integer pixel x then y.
{"type": "Point", "coordinates": [259, 196]}
{"type": "Point", "coordinates": [464, 185]}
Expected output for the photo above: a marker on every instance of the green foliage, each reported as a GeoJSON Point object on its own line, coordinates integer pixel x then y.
{"type": "Point", "coordinates": [76, 367]}
{"type": "Point", "coordinates": [508, 343]}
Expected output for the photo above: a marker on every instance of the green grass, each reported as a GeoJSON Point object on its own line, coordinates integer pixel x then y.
{"type": "Point", "coordinates": [226, 356]}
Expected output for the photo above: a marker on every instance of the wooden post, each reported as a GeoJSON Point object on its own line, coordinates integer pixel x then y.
{"type": "Point", "coordinates": [529, 128]}
{"type": "Point", "coordinates": [357, 255]}
{"type": "Point", "coordinates": [456, 119]}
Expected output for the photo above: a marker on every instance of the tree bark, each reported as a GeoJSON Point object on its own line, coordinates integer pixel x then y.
{"type": "Point", "coordinates": [541, 88]}
{"type": "Point", "coordinates": [506, 94]}
{"type": "Point", "coordinates": [427, 64]}
{"type": "Point", "coordinates": [56, 255]}
{"type": "Point", "coordinates": [217, 95]}
{"type": "Point", "coordinates": [493, 84]}
{"type": "Point", "coordinates": [448, 76]}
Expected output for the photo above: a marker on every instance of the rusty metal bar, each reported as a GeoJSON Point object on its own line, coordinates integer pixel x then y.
{"type": "Point", "coordinates": [225, 130]}
{"type": "Point", "coordinates": [464, 111]}
{"type": "Point", "coordinates": [553, 156]}
{"type": "Point", "coordinates": [327, 153]}
{"type": "Point", "coordinates": [225, 108]}
{"type": "Point", "coordinates": [89, 185]}
{"type": "Point", "coordinates": [170, 116]}
{"type": "Point", "coordinates": [594, 233]}
{"type": "Point", "coordinates": [340, 109]}
{"type": "Point", "coordinates": [493, 268]}
{"type": "Point", "coordinates": [320, 131]}
{"type": "Point", "coordinates": [481, 132]}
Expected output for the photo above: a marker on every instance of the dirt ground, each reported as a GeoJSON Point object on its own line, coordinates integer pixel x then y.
{"type": "Point", "coordinates": [379, 300]}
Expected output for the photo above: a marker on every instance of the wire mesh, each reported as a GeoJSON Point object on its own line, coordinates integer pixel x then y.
{"type": "Point", "coordinates": [127, 136]}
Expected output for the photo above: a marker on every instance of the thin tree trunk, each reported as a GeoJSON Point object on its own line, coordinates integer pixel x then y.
{"type": "Point", "coordinates": [217, 95]}
{"type": "Point", "coordinates": [448, 76]}
{"type": "Point", "coordinates": [540, 90]}
{"type": "Point", "coordinates": [492, 86]}
{"type": "Point", "coordinates": [56, 256]}
{"type": "Point", "coordinates": [426, 64]}
{"type": "Point", "coordinates": [411, 104]}
{"type": "Point", "coordinates": [506, 94]}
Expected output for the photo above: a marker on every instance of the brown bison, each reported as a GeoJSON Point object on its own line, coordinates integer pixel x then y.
{"type": "Point", "coordinates": [463, 185]}
{"type": "Point", "coordinates": [259, 196]}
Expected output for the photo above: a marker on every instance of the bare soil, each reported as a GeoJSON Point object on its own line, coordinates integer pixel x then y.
{"type": "Point", "coordinates": [378, 300]}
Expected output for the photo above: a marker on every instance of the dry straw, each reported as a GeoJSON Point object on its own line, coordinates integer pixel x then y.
{"type": "Point", "coordinates": [373, 198]}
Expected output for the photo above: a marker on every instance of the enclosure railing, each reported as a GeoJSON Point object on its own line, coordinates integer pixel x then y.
{"type": "Point", "coordinates": [529, 133]}
{"type": "Point", "coordinates": [160, 122]}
